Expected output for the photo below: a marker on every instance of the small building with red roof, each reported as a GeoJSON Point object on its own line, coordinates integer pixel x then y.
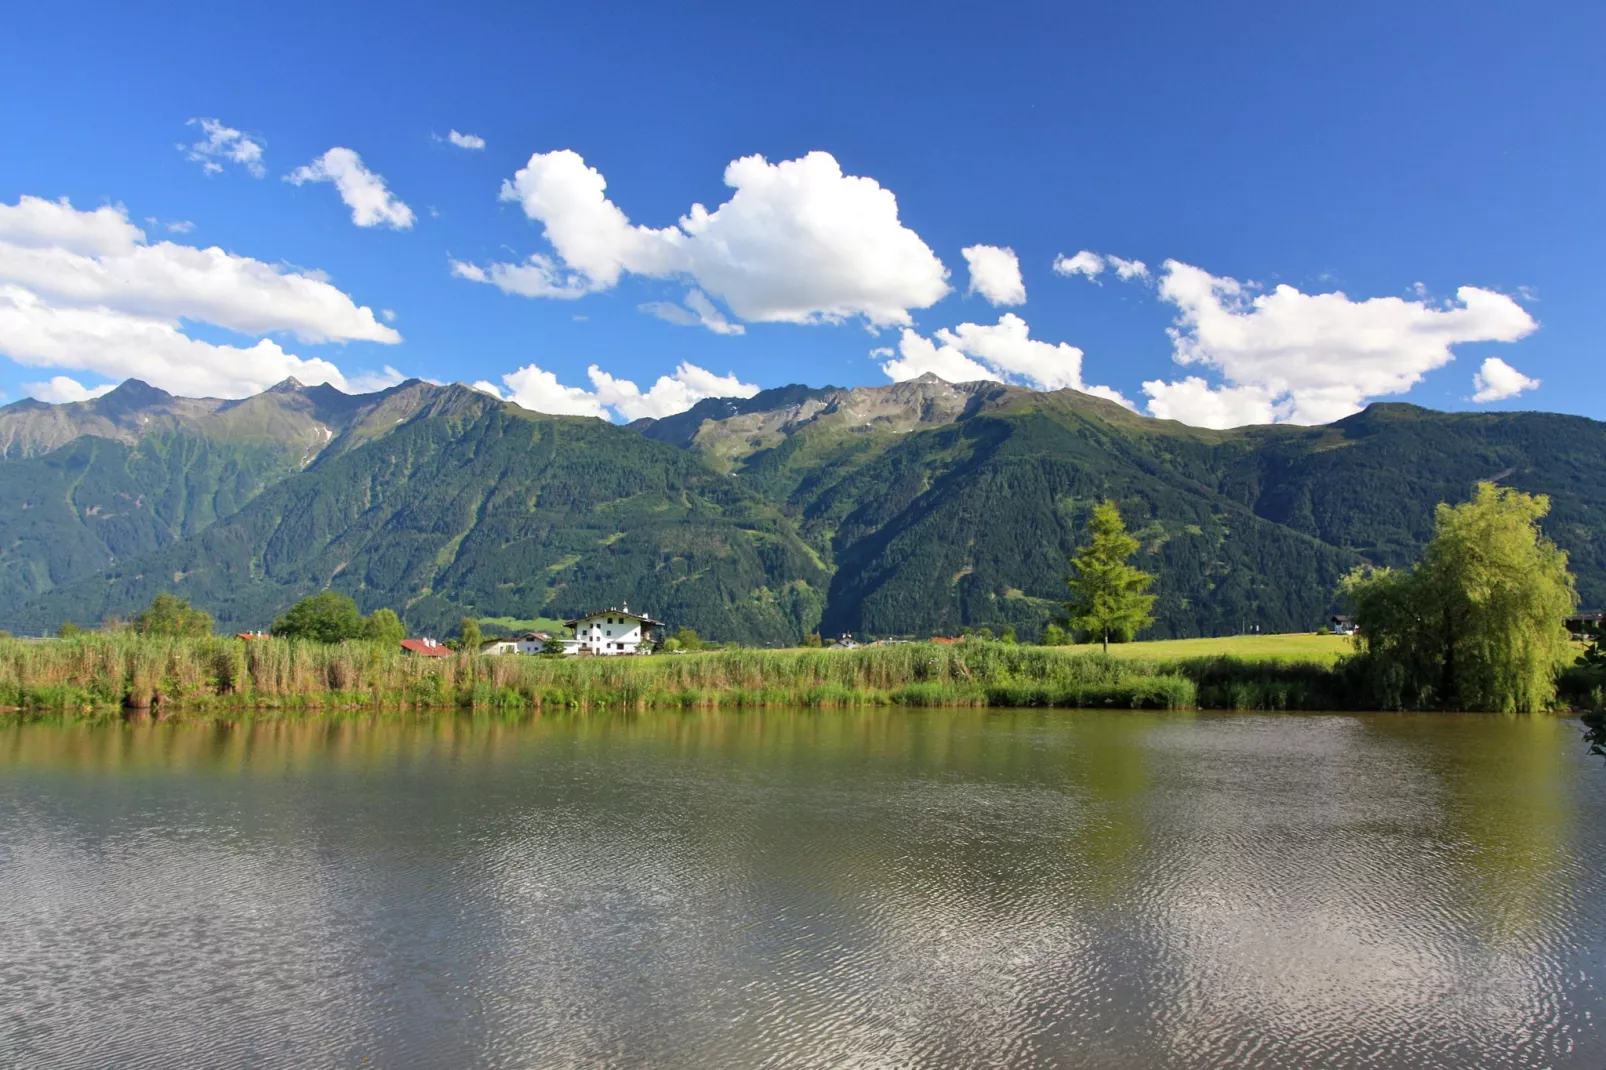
{"type": "Point", "coordinates": [425, 648]}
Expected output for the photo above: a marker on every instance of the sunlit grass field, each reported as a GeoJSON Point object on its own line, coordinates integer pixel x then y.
{"type": "Point", "coordinates": [1301, 646]}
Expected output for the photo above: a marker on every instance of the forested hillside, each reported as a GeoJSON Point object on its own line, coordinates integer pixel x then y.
{"type": "Point", "coordinates": [928, 528]}
{"type": "Point", "coordinates": [916, 508]}
{"type": "Point", "coordinates": [473, 506]}
{"type": "Point", "coordinates": [89, 484]}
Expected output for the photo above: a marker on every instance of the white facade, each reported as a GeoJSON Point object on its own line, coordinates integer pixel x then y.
{"type": "Point", "coordinates": [611, 632]}
{"type": "Point", "coordinates": [513, 646]}
{"type": "Point", "coordinates": [529, 643]}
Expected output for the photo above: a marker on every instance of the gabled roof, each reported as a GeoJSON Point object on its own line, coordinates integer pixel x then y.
{"type": "Point", "coordinates": [614, 612]}
{"type": "Point", "coordinates": [429, 648]}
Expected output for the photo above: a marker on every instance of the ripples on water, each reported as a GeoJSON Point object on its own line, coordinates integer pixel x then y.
{"type": "Point", "coordinates": [931, 888]}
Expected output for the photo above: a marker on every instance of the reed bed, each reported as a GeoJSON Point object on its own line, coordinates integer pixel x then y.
{"type": "Point", "coordinates": [103, 675]}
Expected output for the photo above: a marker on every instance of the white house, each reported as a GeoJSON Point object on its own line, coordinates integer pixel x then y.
{"type": "Point", "coordinates": [612, 631]}
{"type": "Point", "coordinates": [528, 643]}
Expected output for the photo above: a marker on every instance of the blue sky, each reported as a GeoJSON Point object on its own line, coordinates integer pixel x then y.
{"type": "Point", "coordinates": [1232, 149]}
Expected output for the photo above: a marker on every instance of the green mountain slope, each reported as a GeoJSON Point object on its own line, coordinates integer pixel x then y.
{"type": "Point", "coordinates": [933, 525]}
{"type": "Point", "coordinates": [88, 484]}
{"type": "Point", "coordinates": [972, 523]}
{"type": "Point", "coordinates": [913, 509]}
{"type": "Point", "coordinates": [78, 510]}
{"type": "Point", "coordinates": [473, 506]}
{"type": "Point", "coordinates": [1369, 482]}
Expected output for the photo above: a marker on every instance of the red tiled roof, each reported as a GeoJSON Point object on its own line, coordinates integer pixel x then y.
{"type": "Point", "coordinates": [426, 647]}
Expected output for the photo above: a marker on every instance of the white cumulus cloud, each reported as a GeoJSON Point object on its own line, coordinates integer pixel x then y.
{"type": "Point", "coordinates": [919, 356]}
{"type": "Point", "coordinates": [465, 141]}
{"type": "Point", "coordinates": [995, 274]}
{"type": "Point", "coordinates": [797, 242]}
{"type": "Point", "coordinates": [224, 143]}
{"type": "Point", "coordinates": [670, 394]}
{"type": "Point", "coordinates": [1196, 402]}
{"type": "Point", "coordinates": [539, 390]}
{"type": "Point", "coordinates": [99, 258]}
{"type": "Point", "coordinates": [36, 223]}
{"type": "Point", "coordinates": [60, 389]}
{"type": "Point", "coordinates": [1128, 269]}
{"type": "Point", "coordinates": [1310, 358]}
{"type": "Point", "coordinates": [1086, 263]}
{"type": "Point", "coordinates": [1091, 265]}
{"type": "Point", "coordinates": [1497, 381]}
{"type": "Point", "coordinates": [1004, 352]}
{"type": "Point", "coordinates": [536, 277]}
{"type": "Point", "coordinates": [363, 191]}
{"type": "Point", "coordinates": [83, 290]}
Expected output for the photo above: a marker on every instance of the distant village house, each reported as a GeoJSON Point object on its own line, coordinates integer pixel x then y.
{"type": "Point", "coordinates": [528, 643]}
{"type": "Point", "coordinates": [613, 632]}
{"type": "Point", "coordinates": [1586, 625]}
{"type": "Point", "coordinates": [425, 648]}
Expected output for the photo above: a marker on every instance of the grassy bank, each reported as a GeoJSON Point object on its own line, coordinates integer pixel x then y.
{"type": "Point", "coordinates": [101, 675]}
{"type": "Point", "coordinates": [1298, 646]}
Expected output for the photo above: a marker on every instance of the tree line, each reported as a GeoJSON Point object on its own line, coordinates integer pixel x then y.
{"type": "Point", "coordinates": [1477, 624]}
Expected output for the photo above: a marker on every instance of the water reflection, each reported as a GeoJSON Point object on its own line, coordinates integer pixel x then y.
{"type": "Point", "coordinates": [785, 888]}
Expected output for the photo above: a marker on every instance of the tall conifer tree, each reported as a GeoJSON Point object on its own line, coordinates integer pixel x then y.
{"type": "Point", "coordinates": [1108, 596]}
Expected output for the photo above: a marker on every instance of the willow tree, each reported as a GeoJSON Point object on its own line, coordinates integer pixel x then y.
{"type": "Point", "coordinates": [1478, 623]}
{"type": "Point", "coordinates": [1109, 597]}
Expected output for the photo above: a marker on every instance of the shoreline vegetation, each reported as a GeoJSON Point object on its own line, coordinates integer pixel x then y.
{"type": "Point", "coordinates": [98, 676]}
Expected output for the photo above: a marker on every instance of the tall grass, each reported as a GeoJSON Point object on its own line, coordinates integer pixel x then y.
{"type": "Point", "coordinates": [107, 674]}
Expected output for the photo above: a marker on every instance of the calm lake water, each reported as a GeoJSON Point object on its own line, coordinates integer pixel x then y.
{"type": "Point", "coordinates": [796, 889]}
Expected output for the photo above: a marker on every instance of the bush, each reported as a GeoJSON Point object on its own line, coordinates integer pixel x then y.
{"type": "Point", "coordinates": [170, 615]}
{"type": "Point", "coordinates": [328, 617]}
{"type": "Point", "coordinates": [383, 626]}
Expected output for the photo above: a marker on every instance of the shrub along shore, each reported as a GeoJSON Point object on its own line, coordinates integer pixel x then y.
{"type": "Point", "coordinates": [110, 675]}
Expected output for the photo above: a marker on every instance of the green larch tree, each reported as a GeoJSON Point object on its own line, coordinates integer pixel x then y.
{"type": "Point", "coordinates": [1109, 596]}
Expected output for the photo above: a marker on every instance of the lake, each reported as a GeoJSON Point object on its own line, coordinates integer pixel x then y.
{"type": "Point", "coordinates": [805, 889]}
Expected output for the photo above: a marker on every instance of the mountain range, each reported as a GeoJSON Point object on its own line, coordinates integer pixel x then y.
{"type": "Point", "coordinates": [911, 509]}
